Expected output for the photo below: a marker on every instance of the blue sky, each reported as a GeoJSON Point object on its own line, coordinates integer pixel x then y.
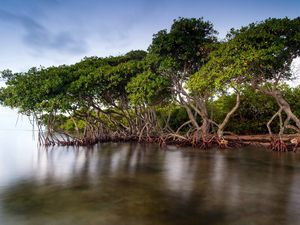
{"type": "Point", "coordinates": [53, 32]}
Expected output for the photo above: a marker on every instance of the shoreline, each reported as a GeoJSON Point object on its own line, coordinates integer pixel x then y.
{"type": "Point", "coordinates": [271, 142]}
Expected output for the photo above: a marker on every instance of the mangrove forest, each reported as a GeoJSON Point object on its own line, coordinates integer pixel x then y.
{"type": "Point", "coordinates": [188, 88]}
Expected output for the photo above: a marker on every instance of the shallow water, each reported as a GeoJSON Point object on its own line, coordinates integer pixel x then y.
{"type": "Point", "coordinates": [142, 184]}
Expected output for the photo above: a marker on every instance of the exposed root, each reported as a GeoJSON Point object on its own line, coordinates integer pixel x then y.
{"type": "Point", "coordinates": [162, 142]}
{"type": "Point", "coordinates": [223, 144]}
{"type": "Point", "coordinates": [278, 145]}
{"type": "Point", "coordinates": [207, 142]}
{"type": "Point", "coordinates": [296, 143]}
{"type": "Point", "coordinates": [194, 139]}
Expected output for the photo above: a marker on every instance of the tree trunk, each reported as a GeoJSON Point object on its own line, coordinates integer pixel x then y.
{"type": "Point", "coordinates": [191, 117]}
{"type": "Point", "coordinates": [229, 114]}
{"type": "Point", "coordinates": [278, 113]}
{"type": "Point", "coordinates": [205, 127]}
{"type": "Point", "coordinates": [285, 107]}
{"type": "Point", "coordinates": [282, 103]}
{"type": "Point", "coordinates": [201, 109]}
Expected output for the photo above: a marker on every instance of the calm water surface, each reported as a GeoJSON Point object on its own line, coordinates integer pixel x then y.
{"type": "Point", "coordinates": [142, 184]}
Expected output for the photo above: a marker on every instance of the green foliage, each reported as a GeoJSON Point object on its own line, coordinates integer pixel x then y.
{"type": "Point", "coordinates": [188, 43]}
{"type": "Point", "coordinates": [178, 117]}
{"type": "Point", "coordinates": [256, 53]}
{"type": "Point", "coordinates": [292, 96]}
{"type": "Point", "coordinates": [68, 125]}
{"type": "Point", "coordinates": [148, 88]}
{"type": "Point", "coordinates": [177, 114]}
{"type": "Point", "coordinates": [255, 111]}
{"type": "Point", "coordinates": [117, 92]}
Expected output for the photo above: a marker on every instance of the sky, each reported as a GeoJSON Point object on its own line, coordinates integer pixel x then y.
{"type": "Point", "coordinates": [54, 32]}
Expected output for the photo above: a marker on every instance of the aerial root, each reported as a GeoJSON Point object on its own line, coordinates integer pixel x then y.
{"type": "Point", "coordinates": [207, 142]}
{"type": "Point", "coordinates": [278, 145]}
{"type": "Point", "coordinates": [162, 142]}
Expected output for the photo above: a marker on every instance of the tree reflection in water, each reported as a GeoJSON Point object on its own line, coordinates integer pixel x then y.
{"type": "Point", "coordinates": [142, 184]}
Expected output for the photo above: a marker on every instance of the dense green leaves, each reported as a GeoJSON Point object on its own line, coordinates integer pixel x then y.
{"type": "Point", "coordinates": [257, 53]}
{"type": "Point", "coordinates": [148, 88]}
{"type": "Point", "coordinates": [186, 78]}
{"type": "Point", "coordinates": [188, 43]}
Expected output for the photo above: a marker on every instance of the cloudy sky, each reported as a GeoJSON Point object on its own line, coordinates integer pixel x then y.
{"type": "Point", "coordinates": [53, 32]}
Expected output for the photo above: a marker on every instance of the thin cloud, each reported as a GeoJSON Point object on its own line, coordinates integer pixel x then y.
{"type": "Point", "coordinates": [39, 38]}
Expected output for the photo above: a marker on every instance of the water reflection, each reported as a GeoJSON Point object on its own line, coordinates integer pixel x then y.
{"type": "Point", "coordinates": [142, 184]}
{"type": "Point", "coordinates": [180, 173]}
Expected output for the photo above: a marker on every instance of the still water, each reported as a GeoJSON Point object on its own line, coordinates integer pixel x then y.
{"type": "Point", "coordinates": [142, 184]}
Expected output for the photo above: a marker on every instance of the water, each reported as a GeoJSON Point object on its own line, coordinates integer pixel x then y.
{"type": "Point", "coordinates": [142, 184]}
